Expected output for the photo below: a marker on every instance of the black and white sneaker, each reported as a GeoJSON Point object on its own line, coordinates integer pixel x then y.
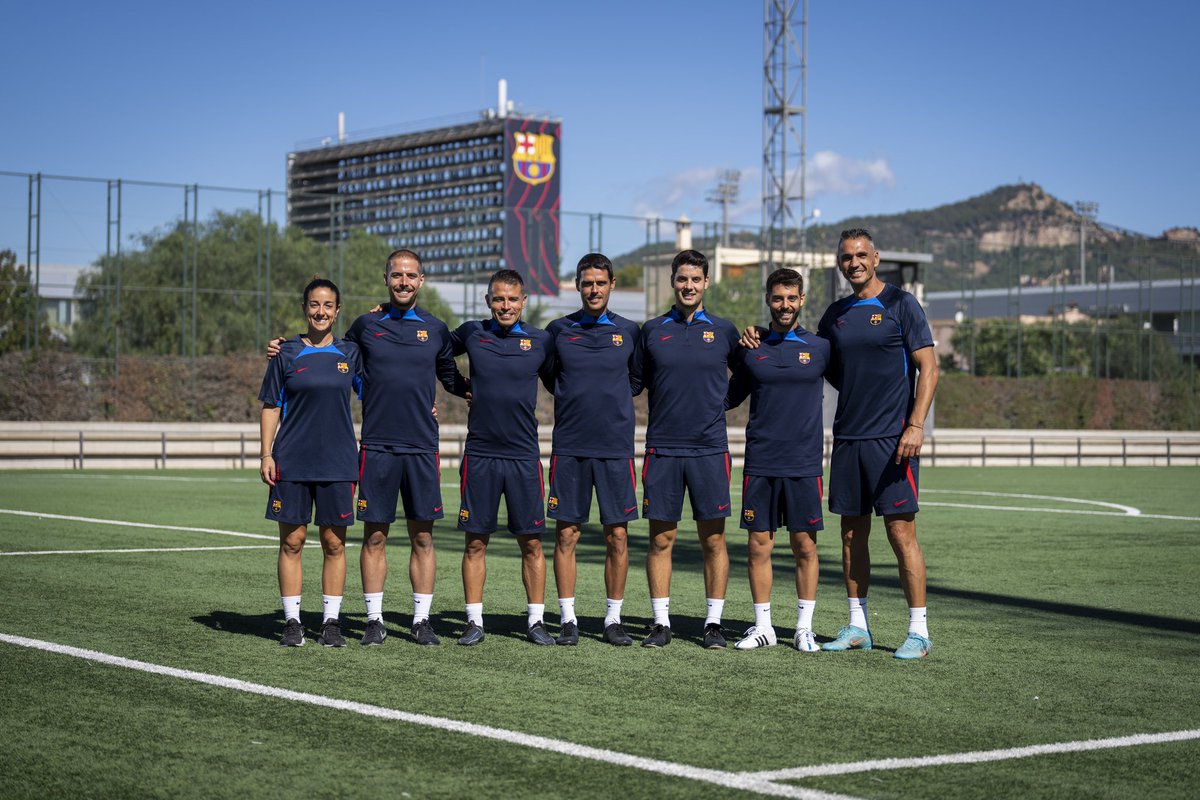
{"type": "Point", "coordinates": [473, 635]}
{"type": "Point", "coordinates": [713, 640]}
{"type": "Point", "coordinates": [614, 634]}
{"type": "Point", "coordinates": [756, 637]}
{"type": "Point", "coordinates": [293, 634]}
{"type": "Point", "coordinates": [423, 634]}
{"type": "Point", "coordinates": [660, 636]}
{"type": "Point", "coordinates": [375, 632]}
{"type": "Point", "coordinates": [538, 635]}
{"type": "Point", "coordinates": [331, 634]}
{"type": "Point", "coordinates": [569, 635]}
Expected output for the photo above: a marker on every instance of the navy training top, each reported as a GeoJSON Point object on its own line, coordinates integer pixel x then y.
{"type": "Point", "coordinates": [505, 368]}
{"type": "Point", "coordinates": [784, 378]}
{"type": "Point", "coordinates": [598, 370]}
{"type": "Point", "coordinates": [873, 370]}
{"type": "Point", "coordinates": [315, 440]}
{"type": "Point", "coordinates": [403, 353]}
{"type": "Point", "coordinates": [685, 372]}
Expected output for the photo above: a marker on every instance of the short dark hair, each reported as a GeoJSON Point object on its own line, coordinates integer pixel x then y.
{"type": "Point", "coordinates": [402, 253]}
{"type": "Point", "coordinates": [856, 233]}
{"type": "Point", "coordinates": [594, 261]}
{"type": "Point", "coordinates": [689, 258]}
{"type": "Point", "coordinates": [318, 282]}
{"type": "Point", "coordinates": [506, 276]}
{"type": "Point", "coordinates": [785, 277]}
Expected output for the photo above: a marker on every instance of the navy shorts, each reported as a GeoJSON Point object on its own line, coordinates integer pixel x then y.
{"type": "Point", "coordinates": [291, 502]}
{"type": "Point", "coordinates": [485, 479]}
{"type": "Point", "coordinates": [864, 475]}
{"type": "Point", "coordinates": [386, 478]}
{"type": "Point", "coordinates": [664, 478]}
{"type": "Point", "coordinates": [770, 503]}
{"type": "Point", "coordinates": [571, 482]}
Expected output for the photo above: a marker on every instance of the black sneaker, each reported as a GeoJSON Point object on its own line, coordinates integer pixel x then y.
{"type": "Point", "coordinates": [423, 633]}
{"type": "Point", "coordinates": [331, 634]}
{"type": "Point", "coordinates": [713, 640]}
{"type": "Point", "coordinates": [615, 634]}
{"type": "Point", "coordinates": [473, 635]}
{"type": "Point", "coordinates": [375, 633]}
{"type": "Point", "coordinates": [538, 635]}
{"type": "Point", "coordinates": [660, 636]}
{"type": "Point", "coordinates": [569, 635]}
{"type": "Point", "coordinates": [293, 634]}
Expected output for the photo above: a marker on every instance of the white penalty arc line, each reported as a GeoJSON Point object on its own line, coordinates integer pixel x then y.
{"type": "Point", "coordinates": [1131, 511]}
{"type": "Point", "coordinates": [975, 756]}
{"type": "Point", "coordinates": [127, 524]}
{"type": "Point", "coordinates": [730, 780]}
{"type": "Point", "coordinates": [1080, 511]}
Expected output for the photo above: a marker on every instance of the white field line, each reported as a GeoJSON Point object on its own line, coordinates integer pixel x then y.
{"type": "Point", "coordinates": [144, 550]}
{"type": "Point", "coordinates": [1079, 511]}
{"type": "Point", "coordinates": [975, 756]}
{"type": "Point", "coordinates": [127, 524]}
{"type": "Point", "coordinates": [1129, 510]}
{"type": "Point", "coordinates": [727, 779]}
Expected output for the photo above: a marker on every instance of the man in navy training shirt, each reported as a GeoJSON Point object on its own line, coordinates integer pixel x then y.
{"type": "Point", "coordinates": [501, 454]}
{"type": "Point", "coordinates": [598, 370]}
{"type": "Point", "coordinates": [885, 372]}
{"type": "Point", "coordinates": [781, 484]}
{"type": "Point", "coordinates": [685, 371]}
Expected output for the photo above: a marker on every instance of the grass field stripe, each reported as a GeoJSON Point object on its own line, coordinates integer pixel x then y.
{"type": "Point", "coordinates": [144, 550]}
{"type": "Point", "coordinates": [1132, 511]}
{"type": "Point", "coordinates": [126, 524]}
{"type": "Point", "coordinates": [977, 756]}
{"type": "Point", "coordinates": [170, 478]}
{"type": "Point", "coordinates": [727, 779]}
{"type": "Point", "coordinates": [1081, 511]}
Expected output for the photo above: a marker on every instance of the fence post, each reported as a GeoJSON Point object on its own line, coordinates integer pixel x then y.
{"type": "Point", "coordinates": [1078, 451]}
{"type": "Point", "coordinates": [164, 449]}
{"type": "Point", "coordinates": [1123, 464]}
{"type": "Point", "coordinates": [81, 449]}
{"type": "Point", "coordinates": [1032, 452]}
{"type": "Point", "coordinates": [983, 451]}
{"type": "Point", "coordinates": [243, 449]}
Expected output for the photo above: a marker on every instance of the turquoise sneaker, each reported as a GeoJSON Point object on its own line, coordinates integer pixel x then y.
{"type": "Point", "coordinates": [850, 637]}
{"type": "Point", "coordinates": [915, 646]}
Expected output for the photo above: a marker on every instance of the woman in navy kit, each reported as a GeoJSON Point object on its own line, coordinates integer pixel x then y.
{"type": "Point", "coordinates": [310, 455]}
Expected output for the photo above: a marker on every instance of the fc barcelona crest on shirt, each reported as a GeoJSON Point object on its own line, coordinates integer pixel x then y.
{"type": "Point", "coordinates": [343, 367]}
{"type": "Point", "coordinates": [804, 357]}
{"type": "Point", "coordinates": [876, 319]}
{"type": "Point", "coordinates": [526, 344]}
{"type": "Point", "coordinates": [618, 339]}
{"type": "Point", "coordinates": [533, 156]}
{"type": "Point", "coordinates": [709, 337]}
{"type": "Point", "coordinates": [422, 336]}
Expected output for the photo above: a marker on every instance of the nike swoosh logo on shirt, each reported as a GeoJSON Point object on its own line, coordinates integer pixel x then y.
{"type": "Point", "coordinates": [379, 333]}
{"type": "Point", "coordinates": [485, 341]}
{"type": "Point", "coordinates": [301, 370]}
{"type": "Point", "coordinates": [761, 358]}
{"type": "Point", "coordinates": [664, 338]}
{"type": "Point", "coordinates": [574, 338]}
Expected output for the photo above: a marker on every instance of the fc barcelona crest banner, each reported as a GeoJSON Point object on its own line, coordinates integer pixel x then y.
{"type": "Point", "coordinates": [533, 165]}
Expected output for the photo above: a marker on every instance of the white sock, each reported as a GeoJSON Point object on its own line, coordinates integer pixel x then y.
{"type": "Point", "coordinates": [421, 604]}
{"type": "Point", "coordinates": [917, 622]}
{"type": "Point", "coordinates": [374, 601]}
{"type": "Point", "coordinates": [534, 613]}
{"type": "Point", "coordinates": [661, 606]}
{"type": "Point", "coordinates": [762, 615]}
{"type": "Point", "coordinates": [612, 611]}
{"type": "Point", "coordinates": [475, 613]}
{"type": "Point", "coordinates": [291, 607]}
{"type": "Point", "coordinates": [858, 612]}
{"type": "Point", "coordinates": [804, 613]}
{"type": "Point", "coordinates": [716, 606]}
{"type": "Point", "coordinates": [566, 610]}
{"type": "Point", "coordinates": [332, 605]}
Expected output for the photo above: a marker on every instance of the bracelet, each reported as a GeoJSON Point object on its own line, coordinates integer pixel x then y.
{"type": "Point", "coordinates": [268, 455]}
{"type": "Point", "coordinates": [915, 425]}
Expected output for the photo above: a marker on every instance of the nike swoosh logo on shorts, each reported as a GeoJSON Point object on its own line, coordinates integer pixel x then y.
{"type": "Point", "coordinates": [346, 515]}
{"type": "Point", "coordinates": [437, 509]}
{"type": "Point", "coordinates": [539, 523]}
{"type": "Point", "coordinates": [631, 508]}
{"type": "Point", "coordinates": [722, 508]}
{"type": "Point", "coordinates": [899, 503]}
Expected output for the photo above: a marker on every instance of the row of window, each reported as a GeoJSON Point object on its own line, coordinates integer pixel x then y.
{"type": "Point", "coordinates": [403, 205]}
{"type": "Point", "coordinates": [458, 234]}
{"type": "Point", "coordinates": [395, 163]}
{"type": "Point", "coordinates": [451, 147]}
{"type": "Point", "coordinates": [420, 178]}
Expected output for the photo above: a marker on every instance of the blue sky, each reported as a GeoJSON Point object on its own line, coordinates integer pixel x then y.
{"type": "Point", "coordinates": [911, 105]}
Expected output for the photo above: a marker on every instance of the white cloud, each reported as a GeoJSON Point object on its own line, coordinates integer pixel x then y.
{"type": "Point", "coordinates": [684, 192]}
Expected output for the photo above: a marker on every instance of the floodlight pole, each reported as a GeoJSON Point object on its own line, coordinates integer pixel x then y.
{"type": "Point", "coordinates": [1086, 209]}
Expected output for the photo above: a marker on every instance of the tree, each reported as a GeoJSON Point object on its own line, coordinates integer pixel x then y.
{"type": "Point", "coordinates": [16, 306]}
{"type": "Point", "coordinates": [739, 300]}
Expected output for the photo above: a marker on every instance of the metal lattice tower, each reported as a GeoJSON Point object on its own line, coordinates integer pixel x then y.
{"type": "Point", "coordinates": [785, 64]}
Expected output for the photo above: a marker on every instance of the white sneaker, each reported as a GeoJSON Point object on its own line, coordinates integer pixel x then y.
{"type": "Point", "coordinates": [757, 637]}
{"type": "Point", "coordinates": [805, 642]}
